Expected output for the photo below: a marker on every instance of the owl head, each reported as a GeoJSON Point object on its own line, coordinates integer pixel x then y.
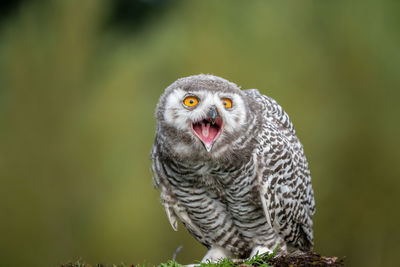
{"type": "Point", "coordinates": [201, 114]}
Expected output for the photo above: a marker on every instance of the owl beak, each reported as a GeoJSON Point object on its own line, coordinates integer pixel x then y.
{"type": "Point", "coordinates": [212, 114]}
{"type": "Point", "coordinates": [208, 129]}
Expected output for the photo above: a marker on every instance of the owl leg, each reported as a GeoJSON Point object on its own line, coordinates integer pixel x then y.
{"type": "Point", "coordinates": [215, 254]}
{"type": "Point", "coordinates": [258, 250]}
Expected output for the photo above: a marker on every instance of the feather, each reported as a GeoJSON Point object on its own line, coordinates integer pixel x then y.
{"type": "Point", "coordinates": [171, 217]}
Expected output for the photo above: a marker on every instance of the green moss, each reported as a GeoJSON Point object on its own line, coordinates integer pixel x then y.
{"type": "Point", "coordinates": [257, 260]}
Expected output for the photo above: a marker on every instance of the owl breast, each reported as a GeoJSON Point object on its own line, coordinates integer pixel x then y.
{"type": "Point", "coordinates": [219, 203]}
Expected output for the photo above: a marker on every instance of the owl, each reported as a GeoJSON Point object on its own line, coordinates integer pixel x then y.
{"type": "Point", "coordinates": [229, 166]}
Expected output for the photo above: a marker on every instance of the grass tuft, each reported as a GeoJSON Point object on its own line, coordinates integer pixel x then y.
{"type": "Point", "coordinates": [79, 263]}
{"type": "Point", "coordinates": [262, 260]}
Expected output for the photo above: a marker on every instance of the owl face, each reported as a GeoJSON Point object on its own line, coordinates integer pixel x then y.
{"type": "Point", "coordinates": [209, 115]}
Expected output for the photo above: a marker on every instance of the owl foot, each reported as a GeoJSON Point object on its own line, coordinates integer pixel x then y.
{"type": "Point", "coordinates": [260, 250]}
{"type": "Point", "coordinates": [216, 254]}
{"type": "Point", "coordinates": [213, 255]}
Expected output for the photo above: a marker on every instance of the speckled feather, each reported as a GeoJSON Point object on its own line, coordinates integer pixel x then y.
{"type": "Point", "coordinates": [253, 189]}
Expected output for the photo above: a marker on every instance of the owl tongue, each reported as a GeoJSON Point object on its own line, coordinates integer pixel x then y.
{"type": "Point", "coordinates": [205, 127]}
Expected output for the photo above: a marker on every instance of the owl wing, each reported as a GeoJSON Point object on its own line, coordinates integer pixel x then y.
{"type": "Point", "coordinates": [173, 209]}
{"type": "Point", "coordinates": [285, 199]}
{"type": "Point", "coordinates": [283, 179]}
{"type": "Point", "coordinates": [159, 182]}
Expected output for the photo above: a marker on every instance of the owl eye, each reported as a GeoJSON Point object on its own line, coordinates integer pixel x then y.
{"type": "Point", "coordinates": [227, 102]}
{"type": "Point", "coordinates": [190, 101]}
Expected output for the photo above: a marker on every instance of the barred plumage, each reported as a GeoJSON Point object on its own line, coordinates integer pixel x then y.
{"type": "Point", "coordinates": [230, 167]}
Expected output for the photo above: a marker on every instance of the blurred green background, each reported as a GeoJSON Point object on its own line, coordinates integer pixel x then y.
{"type": "Point", "coordinates": [79, 82]}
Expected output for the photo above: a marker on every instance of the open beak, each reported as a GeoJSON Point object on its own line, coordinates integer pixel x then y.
{"type": "Point", "coordinates": [209, 128]}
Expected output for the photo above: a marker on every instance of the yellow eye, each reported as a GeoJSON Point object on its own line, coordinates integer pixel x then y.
{"type": "Point", "coordinates": [227, 102]}
{"type": "Point", "coordinates": [191, 101]}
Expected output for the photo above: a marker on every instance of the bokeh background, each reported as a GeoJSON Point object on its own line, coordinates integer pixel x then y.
{"type": "Point", "coordinates": [79, 82]}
